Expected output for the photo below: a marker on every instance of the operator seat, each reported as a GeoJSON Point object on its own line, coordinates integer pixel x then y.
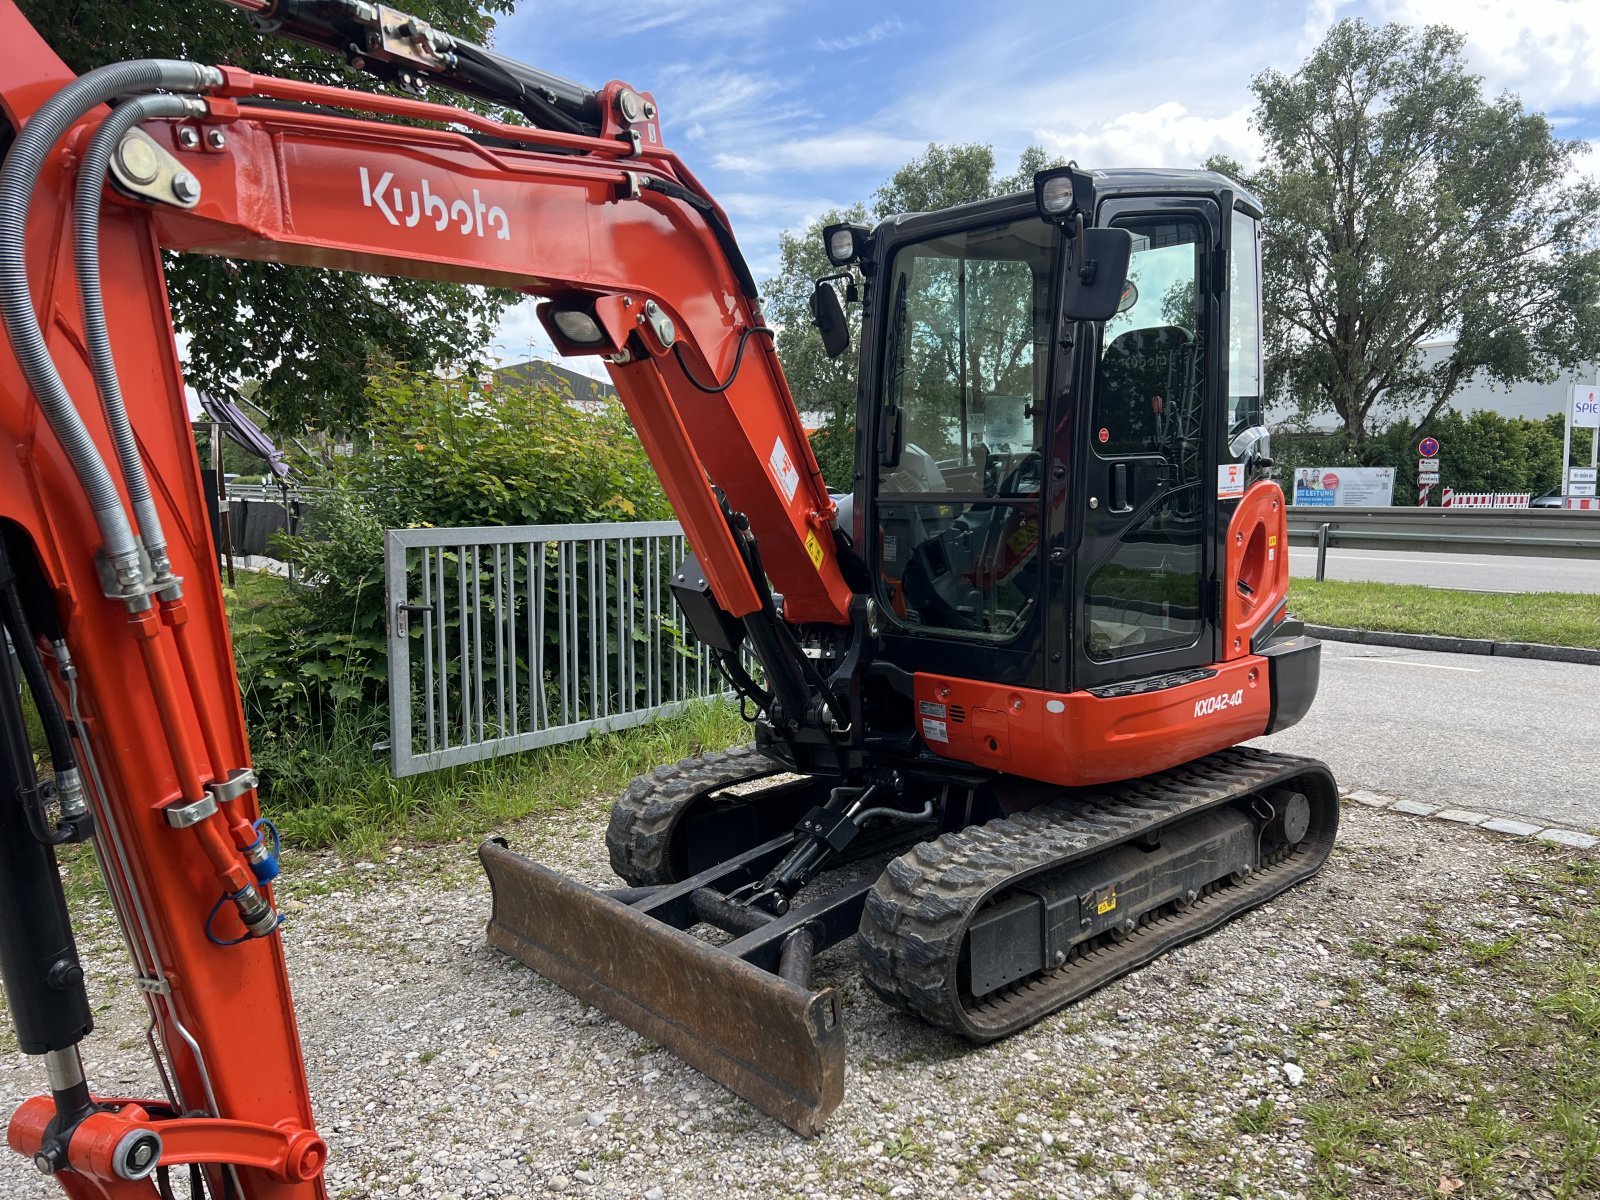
{"type": "Point", "coordinates": [1141, 373]}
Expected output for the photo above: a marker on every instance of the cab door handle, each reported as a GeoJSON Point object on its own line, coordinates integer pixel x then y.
{"type": "Point", "coordinates": [1119, 488]}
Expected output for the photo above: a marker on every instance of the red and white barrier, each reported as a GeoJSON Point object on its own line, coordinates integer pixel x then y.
{"type": "Point", "coordinates": [1583, 502]}
{"type": "Point", "coordinates": [1454, 499]}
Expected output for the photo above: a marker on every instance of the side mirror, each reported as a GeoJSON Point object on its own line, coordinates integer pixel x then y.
{"type": "Point", "coordinates": [827, 314]}
{"type": "Point", "coordinates": [1096, 274]}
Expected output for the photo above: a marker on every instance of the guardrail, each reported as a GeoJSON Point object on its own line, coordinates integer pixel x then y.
{"type": "Point", "coordinates": [1533, 532]}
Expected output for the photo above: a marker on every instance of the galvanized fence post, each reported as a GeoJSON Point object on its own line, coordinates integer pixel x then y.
{"type": "Point", "coordinates": [531, 635]}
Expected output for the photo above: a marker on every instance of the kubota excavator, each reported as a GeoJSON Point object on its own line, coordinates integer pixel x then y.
{"type": "Point", "coordinates": [1012, 668]}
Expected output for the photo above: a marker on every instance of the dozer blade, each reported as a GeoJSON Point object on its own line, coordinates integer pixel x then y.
{"type": "Point", "coordinates": [778, 1045]}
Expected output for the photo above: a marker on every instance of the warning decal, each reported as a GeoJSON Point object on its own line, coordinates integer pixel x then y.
{"type": "Point", "coordinates": [814, 549]}
{"type": "Point", "coordinates": [783, 470]}
{"type": "Point", "coordinates": [935, 731]}
{"type": "Point", "coordinates": [1230, 480]}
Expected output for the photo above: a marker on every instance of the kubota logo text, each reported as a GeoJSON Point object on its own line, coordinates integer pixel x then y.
{"type": "Point", "coordinates": [1213, 704]}
{"type": "Point", "coordinates": [469, 219]}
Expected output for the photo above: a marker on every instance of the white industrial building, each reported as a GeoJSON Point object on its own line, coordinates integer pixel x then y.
{"type": "Point", "coordinates": [1534, 401]}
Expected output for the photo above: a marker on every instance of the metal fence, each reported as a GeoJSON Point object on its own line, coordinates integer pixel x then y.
{"type": "Point", "coordinates": [508, 638]}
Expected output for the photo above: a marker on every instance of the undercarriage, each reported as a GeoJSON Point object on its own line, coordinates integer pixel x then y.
{"type": "Point", "coordinates": [980, 921]}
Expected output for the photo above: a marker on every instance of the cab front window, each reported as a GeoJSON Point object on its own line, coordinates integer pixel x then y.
{"type": "Point", "coordinates": [959, 495]}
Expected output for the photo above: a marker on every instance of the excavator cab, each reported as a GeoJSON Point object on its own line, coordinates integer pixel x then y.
{"type": "Point", "coordinates": [1046, 503]}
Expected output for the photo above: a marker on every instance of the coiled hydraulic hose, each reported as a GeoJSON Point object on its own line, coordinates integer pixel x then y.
{"type": "Point", "coordinates": [17, 180]}
{"type": "Point", "coordinates": [86, 254]}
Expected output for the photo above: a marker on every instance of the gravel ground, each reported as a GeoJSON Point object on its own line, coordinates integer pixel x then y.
{"type": "Point", "coordinates": [442, 1069]}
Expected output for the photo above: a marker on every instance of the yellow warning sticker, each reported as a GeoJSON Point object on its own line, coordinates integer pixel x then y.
{"type": "Point", "coordinates": [814, 549]}
{"type": "Point", "coordinates": [1108, 901]}
{"type": "Point", "coordinates": [1272, 539]}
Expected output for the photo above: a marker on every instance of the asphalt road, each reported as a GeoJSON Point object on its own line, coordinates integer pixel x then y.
{"type": "Point", "coordinates": [1512, 736]}
{"type": "Point", "coordinates": [1475, 572]}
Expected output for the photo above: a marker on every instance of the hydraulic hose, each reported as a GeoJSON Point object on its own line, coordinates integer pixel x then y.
{"type": "Point", "coordinates": [86, 254]}
{"type": "Point", "coordinates": [63, 760]}
{"type": "Point", "coordinates": [18, 179]}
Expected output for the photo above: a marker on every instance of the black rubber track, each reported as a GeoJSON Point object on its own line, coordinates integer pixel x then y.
{"type": "Point", "coordinates": [917, 914]}
{"type": "Point", "coordinates": [639, 837]}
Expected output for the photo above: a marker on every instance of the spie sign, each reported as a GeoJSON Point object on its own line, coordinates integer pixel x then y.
{"type": "Point", "coordinates": [1585, 406]}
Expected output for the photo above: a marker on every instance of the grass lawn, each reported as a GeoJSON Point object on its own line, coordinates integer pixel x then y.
{"type": "Point", "coordinates": [343, 795]}
{"type": "Point", "coordinates": [1496, 1095]}
{"type": "Point", "coordinates": [328, 786]}
{"type": "Point", "coordinates": [1555, 618]}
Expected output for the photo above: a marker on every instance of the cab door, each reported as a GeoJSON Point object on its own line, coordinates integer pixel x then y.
{"type": "Point", "coordinates": [1144, 605]}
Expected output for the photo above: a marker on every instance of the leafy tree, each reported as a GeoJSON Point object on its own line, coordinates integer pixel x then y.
{"type": "Point", "coordinates": [1402, 204]}
{"type": "Point", "coordinates": [309, 335]}
{"type": "Point", "coordinates": [443, 452]}
{"type": "Point", "coordinates": [1480, 451]}
{"type": "Point", "coordinates": [940, 177]}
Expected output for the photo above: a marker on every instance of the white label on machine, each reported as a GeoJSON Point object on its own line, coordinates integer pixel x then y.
{"type": "Point", "coordinates": [1230, 480]}
{"type": "Point", "coordinates": [935, 731]}
{"type": "Point", "coordinates": [783, 470]}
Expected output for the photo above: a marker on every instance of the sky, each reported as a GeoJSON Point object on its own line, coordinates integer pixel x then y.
{"type": "Point", "coordinates": [786, 110]}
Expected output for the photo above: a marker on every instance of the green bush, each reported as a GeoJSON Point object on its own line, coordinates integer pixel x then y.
{"type": "Point", "coordinates": [440, 452]}
{"type": "Point", "coordinates": [1480, 451]}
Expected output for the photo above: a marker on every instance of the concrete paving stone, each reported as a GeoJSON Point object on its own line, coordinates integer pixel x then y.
{"type": "Point", "coordinates": [1570, 837]}
{"type": "Point", "coordinates": [1507, 825]}
{"type": "Point", "coordinates": [1414, 808]}
{"type": "Point", "coordinates": [1371, 799]}
{"type": "Point", "coordinates": [1461, 816]}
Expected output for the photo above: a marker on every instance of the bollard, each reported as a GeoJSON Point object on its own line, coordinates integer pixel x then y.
{"type": "Point", "coordinates": [1323, 533]}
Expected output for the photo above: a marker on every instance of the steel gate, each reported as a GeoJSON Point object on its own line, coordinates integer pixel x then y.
{"type": "Point", "coordinates": [505, 638]}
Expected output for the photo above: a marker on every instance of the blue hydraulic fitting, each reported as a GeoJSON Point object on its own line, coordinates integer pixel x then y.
{"type": "Point", "coordinates": [264, 862]}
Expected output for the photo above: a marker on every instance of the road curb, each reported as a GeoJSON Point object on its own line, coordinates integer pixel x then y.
{"type": "Point", "coordinates": [1456, 645]}
{"type": "Point", "coordinates": [1553, 835]}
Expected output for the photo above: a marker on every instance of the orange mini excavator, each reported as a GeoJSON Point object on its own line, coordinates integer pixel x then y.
{"type": "Point", "coordinates": [1006, 678]}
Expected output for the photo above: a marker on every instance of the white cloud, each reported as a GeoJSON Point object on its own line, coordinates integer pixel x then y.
{"type": "Point", "coordinates": [1586, 164]}
{"type": "Point", "coordinates": [882, 31]}
{"type": "Point", "coordinates": [844, 148]}
{"type": "Point", "coordinates": [695, 19]}
{"type": "Point", "coordinates": [1168, 135]}
{"type": "Point", "coordinates": [1547, 51]}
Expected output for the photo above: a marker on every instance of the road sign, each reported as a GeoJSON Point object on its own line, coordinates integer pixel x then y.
{"type": "Point", "coordinates": [1428, 447]}
{"type": "Point", "coordinates": [1583, 474]}
{"type": "Point", "coordinates": [1428, 470]}
{"type": "Point", "coordinates": [1584, 405]}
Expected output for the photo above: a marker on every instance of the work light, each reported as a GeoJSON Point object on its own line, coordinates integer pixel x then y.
{"type": "Point", "coordinates": [845, 243]}
{"type": "Point", "coordinates": [577, 326]}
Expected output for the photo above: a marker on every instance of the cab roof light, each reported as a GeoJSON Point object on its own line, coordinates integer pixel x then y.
{"type": "Point", "coordinates": [845, 243]}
